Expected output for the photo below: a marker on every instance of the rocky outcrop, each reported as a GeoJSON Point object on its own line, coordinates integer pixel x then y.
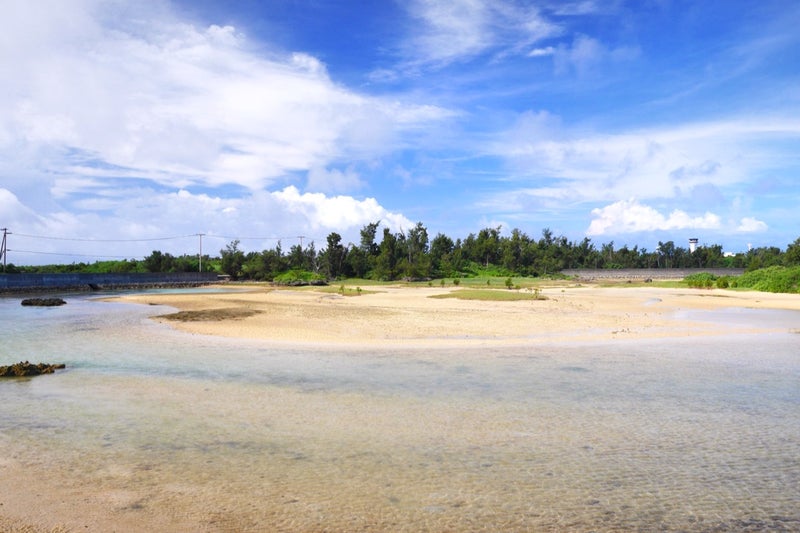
{"type": "Point", "coordinates": [43, 302]}
{"type": "Point", "coordinates": [28, 369]}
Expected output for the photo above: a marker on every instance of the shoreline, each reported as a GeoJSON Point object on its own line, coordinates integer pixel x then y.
{"type": "Point", "coordinates": [417, 317]}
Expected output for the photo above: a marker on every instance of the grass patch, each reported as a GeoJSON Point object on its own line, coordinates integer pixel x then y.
{"type": "Point", "coordinates": [492, 295]}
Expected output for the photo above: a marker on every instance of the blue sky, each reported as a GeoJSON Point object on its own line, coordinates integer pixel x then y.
{"type": "Point", "coordinates": [132, 126]}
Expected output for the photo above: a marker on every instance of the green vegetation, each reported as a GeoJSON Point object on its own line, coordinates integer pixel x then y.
{"type": "Point", "coordinates": [770, 279]}
{"type": "Point", "coordinates": [492, 295]}
{"type": "Point", "coordinates": [298, 277]}
{"type": "Point", "coordinates": [701, 280]}
{"type": "Point", "coordinates": [486, 259]}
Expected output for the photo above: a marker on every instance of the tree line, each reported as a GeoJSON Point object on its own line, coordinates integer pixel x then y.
{"type": "Point", "coordinates": [413, 255]}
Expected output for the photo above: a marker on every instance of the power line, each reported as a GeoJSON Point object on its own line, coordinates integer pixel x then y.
{"type": "Point", "coordinates": [4, 250]}
{"type": "Point", "coordinates": [103, 240]}
{"type": "Point", "coordinates": [262, 238]}
{"type": "Point", "coordinates": [70, 254]}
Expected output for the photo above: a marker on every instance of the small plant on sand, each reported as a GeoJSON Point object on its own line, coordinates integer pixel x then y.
{"type": "Point", "coordinates": [341, 289]}
{"type": "Point", "coordinates": [442, 282]}
{"type": "Point", "coordinates": [358, 290]}
{"type": "Point", "coordinates": [509, 283]}
{"type": "Point", "coordinates": [456, 282]}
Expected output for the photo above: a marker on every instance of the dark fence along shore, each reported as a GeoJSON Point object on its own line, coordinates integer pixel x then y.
{"type": "Point", "coordinates": [89, 282]}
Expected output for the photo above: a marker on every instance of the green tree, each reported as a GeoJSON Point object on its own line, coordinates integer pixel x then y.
{"type": "Point", "coordinates": [158, 262]}
{"type": "Point", "coordinates": [367, 243]}
{"type": "Point", "coordinates": [335, 255]}
{"type": "Point", "coordinates": [792, 255]}
{"type": "Point", "coordinates": [666, 254]}
{"type": "Point", "coordinates": [417, 261]}
{"type": "Point", "coordinates": [232, 260]}
{"type": "Point", "coordinates": [386, 262]}
{"type": "Point", "coordinates": [441, 254]}
{"type": "Point", "coordinates": [487, 246]}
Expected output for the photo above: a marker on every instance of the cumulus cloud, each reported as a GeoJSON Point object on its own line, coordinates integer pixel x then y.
{"type": "Point", "coordinates": [14, 211]}
{"type": "Point", "coordinates": [630, 216]}
{"type": "Point", "coordinates": [170, 222]}
{"type": "Point", "coordinates": [342, 212]}
{"type": "Point", "coordinates": [115, 115]}
{"type": "Point", "coordinates": [751, 225]}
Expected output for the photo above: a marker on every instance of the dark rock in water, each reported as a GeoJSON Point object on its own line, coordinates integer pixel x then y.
{"type": "Point", "coordinates": [28, 369]}
{"type": "Point", "coordinates": [43, 302]}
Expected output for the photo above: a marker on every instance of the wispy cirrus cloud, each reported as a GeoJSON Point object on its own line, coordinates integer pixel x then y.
{"type": "Point", "coordinates": [452, 31]}
{"type": "Point", "coordinates": [585, 54]}
{"type": "Point", "coordinates": [690, 167]}
{"type": "Point", "coordinates": [647, 163]}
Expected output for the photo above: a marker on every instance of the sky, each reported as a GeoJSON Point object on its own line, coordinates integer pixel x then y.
{"type": "Point", "coordinates": [128, 126]}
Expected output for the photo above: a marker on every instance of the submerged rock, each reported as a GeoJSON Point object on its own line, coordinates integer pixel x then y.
{"type": "Point", "coordinates": [43, 302]}
{"type": "Point", "coordinates": [28, 369]}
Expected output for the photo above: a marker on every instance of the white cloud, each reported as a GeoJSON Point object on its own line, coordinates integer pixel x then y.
{"type": "Point", "coordinates": [323, 180]}
{"type": "Point", "coordinates": [453, 30]}
{"type": "Point", "coordinates": [542, 52]}
{"type": "Point", "coordinates": [751, 225]}
{"type": "Point", "coordinates": [662, 163]}
{"type": "Point", "coordinates": [14, 211]}
{"type": "Point", "coordinates": [630, 216]}
{"type": "Point", "coordinates": [322, 212]}
{"type": "Point", "coordinates": [586, 53]}
{"type": "Point", "coordinates": [583, 7]}
{"type": "Point", "coordinates": [147, 94]}
{"type": "Point", "coordinates": [147, 217]}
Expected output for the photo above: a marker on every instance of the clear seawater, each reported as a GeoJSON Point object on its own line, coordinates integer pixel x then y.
{"type": "Point", "coordinates": [195, 433]}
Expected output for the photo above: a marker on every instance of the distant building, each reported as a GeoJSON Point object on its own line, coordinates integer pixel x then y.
{"type": "Point", "coordinates": [692, 244]}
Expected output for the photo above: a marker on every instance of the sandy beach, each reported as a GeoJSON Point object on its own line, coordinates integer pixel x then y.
{"type": "Point", "coordinates": [418, 316]}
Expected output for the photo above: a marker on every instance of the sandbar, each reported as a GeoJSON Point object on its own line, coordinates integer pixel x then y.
{"type": "Point", "coordinates": [413, 316]}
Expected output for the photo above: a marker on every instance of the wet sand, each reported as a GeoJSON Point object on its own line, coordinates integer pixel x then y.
{"type": "Point", "coordinates": [414, 317]}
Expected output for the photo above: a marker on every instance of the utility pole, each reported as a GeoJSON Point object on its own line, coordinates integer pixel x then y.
{"type": "Point", "coordinates": [200, 255]}
{"type": "Point", "coordinates": [301, 237]}
{"type": "Point", "coordinates": [3, 249]}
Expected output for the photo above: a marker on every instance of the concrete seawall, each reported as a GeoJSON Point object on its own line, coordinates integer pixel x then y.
{"type": "Point", "coordinates": [87, 282]}
{"type": "Point", "coordinates": [640, 274]}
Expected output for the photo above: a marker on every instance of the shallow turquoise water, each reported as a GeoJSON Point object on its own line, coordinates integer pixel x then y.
{"type": "Point", "coordinates": [225, 435]}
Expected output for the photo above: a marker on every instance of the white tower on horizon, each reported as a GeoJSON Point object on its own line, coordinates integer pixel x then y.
{"type": "Point", "coordinates": [692, 244]}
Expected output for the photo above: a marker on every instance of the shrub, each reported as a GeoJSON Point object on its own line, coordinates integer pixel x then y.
{"type": "Point", "coordinates": [772, 279]}
{"type": "Point", "coordinates": [299, 277]}
{"type": "Point", "coordinates": [700, 280]}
